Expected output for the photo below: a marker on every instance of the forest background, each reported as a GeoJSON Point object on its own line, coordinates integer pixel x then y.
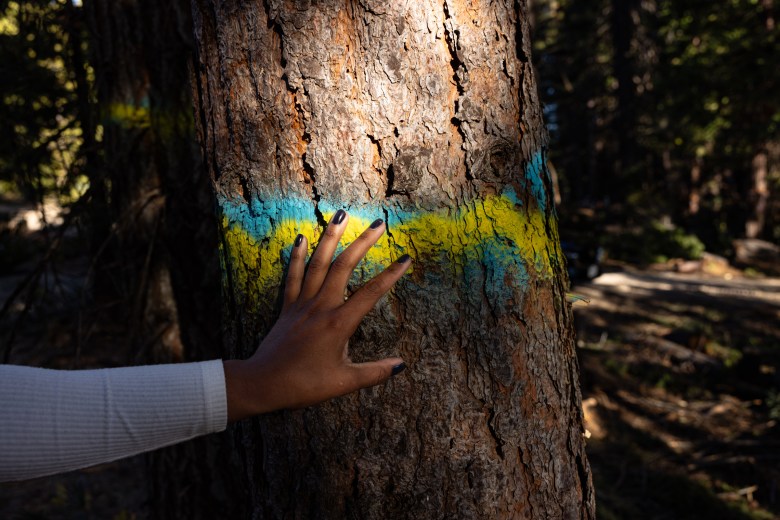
{"type": "Point", "coordinates": [663, 119]}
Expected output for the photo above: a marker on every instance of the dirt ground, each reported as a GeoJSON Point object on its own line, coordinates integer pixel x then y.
{"type": "Point", "coordinates": [680, 377]}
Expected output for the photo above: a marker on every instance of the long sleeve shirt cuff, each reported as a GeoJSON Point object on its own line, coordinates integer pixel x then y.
{"type": "Point", "coordinates": [57, 420]}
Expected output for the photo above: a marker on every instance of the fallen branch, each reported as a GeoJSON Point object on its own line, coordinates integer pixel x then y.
{"type": "Point", "coordinates": [739, 493]}
{"type": "Point", "coordinates": [675, 350]}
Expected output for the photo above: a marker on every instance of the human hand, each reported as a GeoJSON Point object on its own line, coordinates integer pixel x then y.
{"type": "Point", "coordinates": [304, 359]}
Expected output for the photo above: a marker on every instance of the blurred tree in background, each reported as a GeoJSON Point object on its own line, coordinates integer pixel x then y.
{"type": "Point", "coordinates": [665, 112]}
{"type": "Point", "coordinates": [97, 95]}
{"type": "Point", "coordinates": [97, 101]}
{"type": "Point", "coordinates": [41, 135]}
{"type": "Point", "coordinates": [159, 257]}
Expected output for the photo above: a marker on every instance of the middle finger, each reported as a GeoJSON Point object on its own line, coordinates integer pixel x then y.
{"type": "Point", "coordinates": [336, 281]}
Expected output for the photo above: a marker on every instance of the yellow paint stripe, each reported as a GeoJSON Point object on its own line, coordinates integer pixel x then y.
{"type": "Point", "coordinates": [454, 236]}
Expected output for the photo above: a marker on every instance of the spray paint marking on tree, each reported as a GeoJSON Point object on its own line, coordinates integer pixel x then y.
{"type": "Point", "coordinates": [138, 115]}
{"type": "Point", "coordinates": [497, 233]}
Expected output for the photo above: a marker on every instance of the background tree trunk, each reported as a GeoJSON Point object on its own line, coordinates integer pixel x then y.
{"type": "Point", "coordinates": [425, 114]}
{"type": "Point", "coordinates": [160, 196]}
{"type": "Point", "coordinates": [623, 28]}
{"type": "Point", "coordinates": [758, 197]}
{"type": "Point", "coordinates": [159, 260]}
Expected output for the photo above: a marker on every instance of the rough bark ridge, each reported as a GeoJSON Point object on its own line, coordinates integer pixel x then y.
{"type": "Point", "coordinates": [424, 113]}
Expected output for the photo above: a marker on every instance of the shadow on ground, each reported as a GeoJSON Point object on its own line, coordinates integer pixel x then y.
{"type": "Point", "coordinates": [680, 381]}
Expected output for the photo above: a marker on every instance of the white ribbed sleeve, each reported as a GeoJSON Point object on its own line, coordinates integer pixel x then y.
{"type": "Point", "coordinates": [59, 420]}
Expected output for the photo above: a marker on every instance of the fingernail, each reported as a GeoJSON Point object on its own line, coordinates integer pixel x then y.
{"type": "Point", "coordinates": [338, 218]}
{"type": "Point", "coordinates": [298, 240]}
{"type": "Point", "coordinates": [375, 224]}
{"type": "Point", "coordinates": [404, 259]}
{"type": "Point", "coordinates": [398, 369]}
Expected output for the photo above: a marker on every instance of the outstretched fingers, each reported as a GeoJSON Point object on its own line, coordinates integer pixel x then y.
{"type": "Point", "coordinates": [345, 263]}
{"type": "Point", "coordinates": [366, 297]}
{"type": "Point", "coordinates": [292, 285]}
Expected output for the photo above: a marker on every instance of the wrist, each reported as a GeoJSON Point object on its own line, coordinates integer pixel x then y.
{"type": "Point", "coordinates": [238, 390]}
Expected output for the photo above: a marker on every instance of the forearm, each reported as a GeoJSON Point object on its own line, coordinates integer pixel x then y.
{"type": "Point", "coordinates": [55, 420]}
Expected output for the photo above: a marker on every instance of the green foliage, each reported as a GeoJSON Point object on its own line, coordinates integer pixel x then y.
{"type": "Point", "coordinates": [653, 243]}
{"type": "Point", "coordinates": [730, 356]}
{"type": "Point", "coordinates": [702, 103]}
{"type": "Point", "coordinates": [773, 404]}
{"type": "Point", "coordinates": [722, 53]}
{"type": "Point", "coordinates": [40, 139]}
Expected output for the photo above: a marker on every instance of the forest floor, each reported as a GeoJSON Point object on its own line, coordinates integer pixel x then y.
{"type": "Point", "coordinates": [680, 381]}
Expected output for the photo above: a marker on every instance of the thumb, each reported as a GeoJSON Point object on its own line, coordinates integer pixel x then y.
{"type": "Point", "coordinates": [376, 372]}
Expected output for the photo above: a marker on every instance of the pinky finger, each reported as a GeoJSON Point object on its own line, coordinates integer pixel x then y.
{"type": "Point", "coordinates": [366, 297]}
{"type": "Point", "coordinates": [294, 280]}
{"type": "Point", "coordinates": [369, 374]}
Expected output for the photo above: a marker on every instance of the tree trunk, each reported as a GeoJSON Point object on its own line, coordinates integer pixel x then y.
{"type": "Point", "coordinates": [162, 209]}
{"type": "Point", "coordinates": [160, 195]}
{"type": "Point", "coordinates": [758, 197]}
{"type": "Point", "coordinates": [99, 216]}
{"type": "Point", "coordinates": [424, 114]}
{"type": "Point", "coordinates": [622, 26]}
{"type": "Point", "coordinates": [132, 256]}
{"type": "Point", "coordinates": [694, 188]}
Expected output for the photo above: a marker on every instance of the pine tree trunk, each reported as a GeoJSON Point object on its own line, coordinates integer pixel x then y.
{"type": "Point", "coordinates": [162, 253]}
{"type": "Point", "coordinates": [424, 114]}
{"type": "Point", "coordinates": [758, 196]}
{"type": "Point", "coordinates": [622, 26]}
{"type": "Point", "coordinates": [162, 215]}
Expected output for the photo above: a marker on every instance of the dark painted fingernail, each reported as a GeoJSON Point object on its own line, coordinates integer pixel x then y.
{"type": "Point", "coordinates": [398, 369]}
{"type": "Point", "coordinates": [404, 259]}
{"type": "Point", "coordinates": [375, 224]}
{"type": "Point", "coordinates": [338, 218]}
{"type": "Point", "coordinates": [298, 240]}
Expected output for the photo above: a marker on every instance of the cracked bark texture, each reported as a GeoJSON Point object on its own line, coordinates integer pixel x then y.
{"type": "Point", "coordinates": [423, 106]}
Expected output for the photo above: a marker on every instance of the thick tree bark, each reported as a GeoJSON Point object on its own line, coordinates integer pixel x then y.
{"type": "Point", "coordinates": [424, 114]}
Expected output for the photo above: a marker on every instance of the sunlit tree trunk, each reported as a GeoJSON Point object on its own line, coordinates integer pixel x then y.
{"type": "Point", "coordinates": [424, 114]}
{"type": "Point", "coordinates": [694, 187]}
{"type": "Point", "coordinates": [758, 198]}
